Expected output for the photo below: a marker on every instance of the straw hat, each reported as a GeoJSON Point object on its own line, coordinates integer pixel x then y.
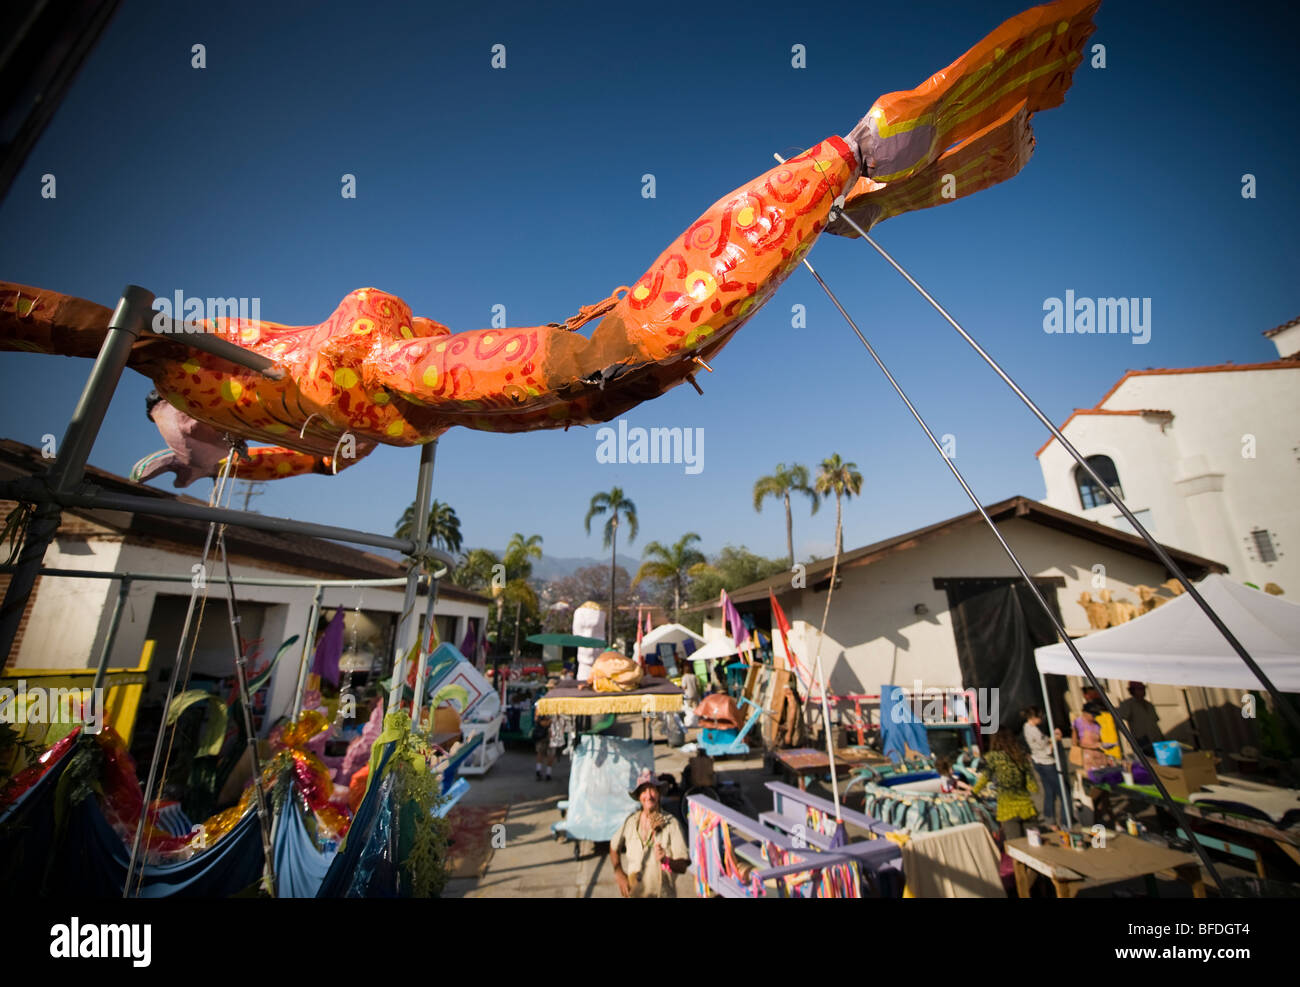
{"type": "Point", "coordinates": [646, 779]}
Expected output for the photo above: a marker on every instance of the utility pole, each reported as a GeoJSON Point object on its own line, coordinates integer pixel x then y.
{"type": "Point", "coordinates": [252, 488]}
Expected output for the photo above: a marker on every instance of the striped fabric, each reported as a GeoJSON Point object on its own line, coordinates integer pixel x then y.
{"type": "Point", "coordinates": [171, 818]}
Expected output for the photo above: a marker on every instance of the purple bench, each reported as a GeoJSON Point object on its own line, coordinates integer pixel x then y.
{"type": "Point", "coordinates": [879, 857]}
{"type": "Point", "coordinates": [711, 866]}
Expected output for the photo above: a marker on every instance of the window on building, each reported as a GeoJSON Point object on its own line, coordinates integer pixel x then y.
{"type": "Point", "coordinates": [1090, 494]}
{"type": "Point", "coordinates": [1263, 545]}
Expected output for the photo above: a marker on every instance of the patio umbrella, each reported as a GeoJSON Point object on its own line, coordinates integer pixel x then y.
{"type": "Point", "coordinates": [568, 640]}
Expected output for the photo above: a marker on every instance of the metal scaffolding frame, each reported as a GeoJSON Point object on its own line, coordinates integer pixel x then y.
{"type": "Point", "coordinates": [63, 485]}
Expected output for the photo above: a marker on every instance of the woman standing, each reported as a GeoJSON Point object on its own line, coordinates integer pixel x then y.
{"type": "Point", "coordinates": [1009, 766]}
{"type": "Point", "coordinates": [1042, 752]}
{"type": "Point", "coordinates": [1086, 735]}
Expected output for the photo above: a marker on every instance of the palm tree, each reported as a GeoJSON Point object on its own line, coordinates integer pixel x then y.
{"type": "Point", "coordinates": [844, 480]}
{"type": "Point", "coordinates": [475, 569]}
{"type": "Point", "coordinates": [518, 553]}
{"type": "Point", "coordinates": [444, 526]}
{"type": "Point", "coordinates": [784, 481]}
{"type": "Point", "coordinates": [613, 504]}
{"type": "Point", "coordinates": [671, 565]}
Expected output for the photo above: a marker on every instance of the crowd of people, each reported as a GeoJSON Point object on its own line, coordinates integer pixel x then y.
{"type": "Point", "coordinates": [1023, 763]}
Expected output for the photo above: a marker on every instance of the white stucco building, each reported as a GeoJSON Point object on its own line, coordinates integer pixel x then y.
{"type": "Point", "coordinates": [1207, 458]}
{"type": "Point", "coordinates": [944, 607]}
{"type": "Point", "coordinates": [66, 620]}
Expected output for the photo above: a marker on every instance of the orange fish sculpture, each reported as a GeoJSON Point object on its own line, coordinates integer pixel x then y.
{"type": "Point", "coordinates": [374, 372]}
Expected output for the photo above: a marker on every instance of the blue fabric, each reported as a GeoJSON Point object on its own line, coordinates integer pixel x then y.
{"type": "Point", "coordinates": [300, 866]}
{"type": "Point", "coordinates": [376, 874]}
{"type": "Point", "coordinates": [27, 834]}
{"type": "Point", "coordinates": [602, 772]}
{"type": "Point", "coordinates": [898, 725]}
{"type": "Point", "coordinates": [172, 819]}
{"type": "Point", "coordinates": [1050, 782]}
{"type": "Point", "coordinates": [450, 797]}
{"type": "Point", "coordinates": [93, 859]}
{"type": "Point", "coordinates": [451, 772]}
{"type": "Point", "coordinates": [90, 859]}
{"type": "Point", "coordinates": [366, 839]}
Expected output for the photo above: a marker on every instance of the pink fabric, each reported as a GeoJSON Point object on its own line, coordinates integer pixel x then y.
{"type": "Point", "coordinates": [738, 632]}
{"type": "Point", "coordinates": [358, 755]}
{"type": "Point", "coordinates": [196, 449]}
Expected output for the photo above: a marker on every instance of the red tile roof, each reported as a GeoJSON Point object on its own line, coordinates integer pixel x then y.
{"type": "Point", "coordinates": [1290, 363]}
{"type": "Point", "coordinates": [1277, 329]}
{"type": "Point", "coordinates": [818, 573]}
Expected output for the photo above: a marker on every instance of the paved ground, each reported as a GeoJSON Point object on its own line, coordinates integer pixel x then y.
{"type": "Point", "coordinates": [533, 864]}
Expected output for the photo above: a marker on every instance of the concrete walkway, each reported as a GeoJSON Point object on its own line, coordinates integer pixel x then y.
{"type": "Point", "coordinates": [533, 864]}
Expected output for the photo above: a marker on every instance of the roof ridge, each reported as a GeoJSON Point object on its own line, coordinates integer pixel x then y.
{"type": "Point", "coordinates": [1015, 506]}
{"type": "Point", "coordinates": [1284, 363]}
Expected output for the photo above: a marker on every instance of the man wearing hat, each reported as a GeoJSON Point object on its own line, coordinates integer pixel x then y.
{"type": "Point", "coordinates": [650, 849]}
{"type": "Point", "coordinates": [1141, 716]}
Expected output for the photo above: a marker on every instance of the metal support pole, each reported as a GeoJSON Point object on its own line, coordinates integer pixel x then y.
{"type": "Point", "coordinates": [217, 489]}
{"type": "Point", "coordinates": [1115, 499]}
{"type": "Point", "coordinates": [418, 699]}
{"type": "Point", "coordinates": [123, 591]}
{"type": "Point", "coordinates": [406, 628]}
{"type": "Point", "coordinates": [129, 318]}
{"type": "Point", "coordinates": [246, 519]}
{"type": "Point", "coordinates": [1024, 573]}
{"type": "Point", "coordinates": [199, 338]}
{"type": "Point", "coordinates": [308, 638]}
{"type": "Point", "coordinates": [250, 735]}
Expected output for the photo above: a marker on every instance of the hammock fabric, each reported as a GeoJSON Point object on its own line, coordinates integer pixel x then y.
{"type": "Point", "coordinates": [654, 696]}
{"type": "Point", "coordinates": [363, 868]}
{"type": "Point", "coordinates": [65, 831]}
{"type": "Point", "coordinates": [374, 372]}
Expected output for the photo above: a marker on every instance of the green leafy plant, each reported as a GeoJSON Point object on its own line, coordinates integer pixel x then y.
{"type": "Point", "coordinates": [418, 791]}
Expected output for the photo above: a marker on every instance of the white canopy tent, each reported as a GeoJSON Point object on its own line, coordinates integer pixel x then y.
{"type": "Point", "coordinates": [1176, 644]}
{"type": "Point", "coordinates": [722, 647]}
{"type": "Point", "coordinates": [667, 634]}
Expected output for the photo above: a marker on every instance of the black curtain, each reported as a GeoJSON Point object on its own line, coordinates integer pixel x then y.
{"type": "Point", "coordinates": [997, 624]}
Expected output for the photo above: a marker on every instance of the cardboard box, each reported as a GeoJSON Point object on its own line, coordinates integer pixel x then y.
{"type": "Point", "coordinates": [1187, 778]}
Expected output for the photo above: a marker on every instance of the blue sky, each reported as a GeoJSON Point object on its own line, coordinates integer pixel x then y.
{"type": "Point", "coordinates": [522, 187]}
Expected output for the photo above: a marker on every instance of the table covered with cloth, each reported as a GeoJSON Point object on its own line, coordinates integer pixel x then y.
{"type": "Point", "coordinates": [652, 696]}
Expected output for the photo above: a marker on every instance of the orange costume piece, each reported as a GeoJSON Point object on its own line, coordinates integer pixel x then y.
{"type": "Point", "coordinates": [374, 372]}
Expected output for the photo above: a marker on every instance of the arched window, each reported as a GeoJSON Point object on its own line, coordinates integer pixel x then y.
{"type": "Point", "coordinates": [1090, 494]}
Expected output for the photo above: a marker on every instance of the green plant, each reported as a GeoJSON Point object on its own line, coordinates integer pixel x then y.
{"type": "Point", "coordinates": [671, 566]}
{"type": "Point", "coordinates": [613, 503]}
{"type": "Point", "coordinates": [784, 481]}
{"type": "Point", "coordinates": [418, 791]}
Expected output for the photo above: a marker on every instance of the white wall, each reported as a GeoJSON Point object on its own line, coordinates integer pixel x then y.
{"type": "Point", "coordinates": [1288, 340]}
{"type": "Point", "coordinates": [1203, 493]}
{"type": "Point", "coordinates": [874, 636]}
{"type": "Point", "coordinates": [71, 616]}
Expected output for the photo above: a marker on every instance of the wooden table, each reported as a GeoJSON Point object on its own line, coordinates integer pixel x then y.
{"type": "Point", "coordinates": [805, 762]}
{"type": "Point", "coordinates": [1123, 858]}
{"type": "Point", "coordinates": [1254, 832]}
